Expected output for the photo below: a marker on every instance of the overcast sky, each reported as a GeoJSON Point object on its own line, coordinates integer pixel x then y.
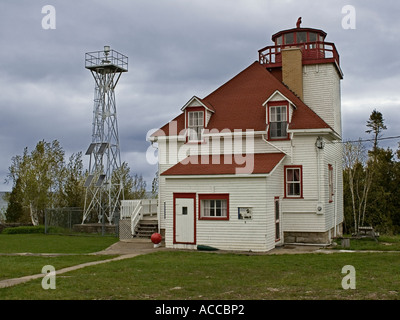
{"type": "Point", "coordinates": [176, 49]}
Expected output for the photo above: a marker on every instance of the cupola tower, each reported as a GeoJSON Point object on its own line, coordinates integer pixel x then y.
{"type": "Point", "coordinates": [310, 67]}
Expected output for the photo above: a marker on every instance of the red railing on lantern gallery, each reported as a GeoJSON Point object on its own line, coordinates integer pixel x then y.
{"type": "Point", "coordinates": [312, 51]}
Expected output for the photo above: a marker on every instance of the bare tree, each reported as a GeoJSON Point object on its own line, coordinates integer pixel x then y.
{"type": "Point", "coordinates": [359, 174]}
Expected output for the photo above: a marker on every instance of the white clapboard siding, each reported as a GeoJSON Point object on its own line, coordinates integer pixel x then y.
{"type": "Point", "coordinates": [303, 222]}
{"type": "Point", "coordinates": [234, 234]}
{"type": "Point", "coordinates": [301, 214]}
{"type": "Point", "coordinates": [334, 209]}
{"type": "Point", "coordinates": [321, 92]}
{"type": "Point", "coordinates": [168, 157]}
{"type": "Point", "coordinates": [275, 188]}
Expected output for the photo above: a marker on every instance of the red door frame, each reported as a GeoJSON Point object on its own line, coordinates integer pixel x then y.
{"type": "Point", "coordinates": [184, 196]}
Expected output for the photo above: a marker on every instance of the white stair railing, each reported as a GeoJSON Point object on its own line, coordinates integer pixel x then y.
{"type": "Point", "coordinates": [135, 210]}
{"type": "Point", "coordinates": [127, 208]}
{"type": "Point", "coordinates": [136, 216]}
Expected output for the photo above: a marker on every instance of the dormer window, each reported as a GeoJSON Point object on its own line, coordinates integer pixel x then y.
{"type": "Point", "coordinates": [195, 125]}
{"type": "Point", "coordinates": [278, 119]}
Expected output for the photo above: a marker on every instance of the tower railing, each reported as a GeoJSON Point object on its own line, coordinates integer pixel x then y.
{"type": "Point", "coordinates": [312, 51]}
{"type": "Point", "coordinates": [114, 58]}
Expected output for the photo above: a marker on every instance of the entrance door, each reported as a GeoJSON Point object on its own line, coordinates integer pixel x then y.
{"type": "Point", "coordinates": [184, 218]}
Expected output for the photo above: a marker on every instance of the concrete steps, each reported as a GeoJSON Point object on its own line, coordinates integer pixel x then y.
{"type": "Point", "coordinates": [146, 227]}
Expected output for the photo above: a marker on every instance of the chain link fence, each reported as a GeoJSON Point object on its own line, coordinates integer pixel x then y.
{"type": "Point", "coordinates": [69, 221]}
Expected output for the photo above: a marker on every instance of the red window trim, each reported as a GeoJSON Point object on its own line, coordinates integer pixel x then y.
{"type": "Point", "coordinates": [274, 104]}
{"type": "Point", "coordinates": [330, 183]}
{"type": "Point", "coordinates": [184, 196]}
{"type": "Point", "coordinates": [214, 196]}
{"type": "Point", "coordinates": [187, 122]}
{"type": "Point", "coordinates": [276, 199]}
{"type": "Point", "coordinates": [295, 37]}
{"type": "Point", "coordinates": [301, 181]}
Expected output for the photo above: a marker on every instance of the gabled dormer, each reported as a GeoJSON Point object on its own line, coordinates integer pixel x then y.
{"type": "Point", "coordinates": [197, 115]}
{"type": "Point", "coordinates": [279, 111]}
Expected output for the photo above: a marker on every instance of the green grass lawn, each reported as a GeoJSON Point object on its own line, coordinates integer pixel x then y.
{"type": "Point", "coordinates": [384, 243]}
{"type": "Point", "coordinates": [76, 247]}
{"type": "Point", "coordinates": [41, 243]}
{"type": "Point", "coordinates": [20, 266]}
{"type": "Point", "coordinates": [198, 275]}
{"type": "Point", "coordinates": [195, 275]}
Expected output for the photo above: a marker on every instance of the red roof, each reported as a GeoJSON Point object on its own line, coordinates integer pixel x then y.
{"type": "Point", "coordinates": [178, 123]}
{"type": "Point", "coordinates": [238, 104]}
{"type": "Point", "coordinates": [258, 163]}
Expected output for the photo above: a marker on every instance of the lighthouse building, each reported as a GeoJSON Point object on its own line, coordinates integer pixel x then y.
{"type": "Point", "coordinates": [257, 163]}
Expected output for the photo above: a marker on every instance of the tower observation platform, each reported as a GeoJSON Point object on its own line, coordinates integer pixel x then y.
{"type": "Point", "coordinates": [311, 42]}
{"type": "Point", "coordinates": [108, 60]}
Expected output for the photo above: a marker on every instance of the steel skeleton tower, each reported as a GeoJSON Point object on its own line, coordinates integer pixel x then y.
{"type": "Point", "coordinates": [103, 184]}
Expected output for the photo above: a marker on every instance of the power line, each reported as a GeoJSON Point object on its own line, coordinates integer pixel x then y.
{"type": "Point", "coordinates": [369, 140]}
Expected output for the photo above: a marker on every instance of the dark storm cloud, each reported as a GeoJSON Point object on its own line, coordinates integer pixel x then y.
{"type": "Point", "coordinates": [176, 49]}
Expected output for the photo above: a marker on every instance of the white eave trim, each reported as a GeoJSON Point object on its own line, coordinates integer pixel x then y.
{"type": "Point", "coordinates": [314, 132]}
{"type": "Point", "coordinates": [218, 176]}
{"type": "Point", "coordinates": [208, 134]}
{"type": "Point", "coordinates": [194, 98]}
{"type": "Point", "coordinates": [248, 132]}
{"type": "Point", "coordinates": [176, 138]}
{"type": "Point", "coordinates": [282, 95]}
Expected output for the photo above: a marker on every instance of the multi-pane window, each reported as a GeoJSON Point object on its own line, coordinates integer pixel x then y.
{"type": "Point", "coordinates": [278, 122]}
{"type": "Point", "coordinates": [214, 206]}
{"type": "Point", "coordinates": [195, 125]}
{"type": "Point", "coordinates": [293, 182]}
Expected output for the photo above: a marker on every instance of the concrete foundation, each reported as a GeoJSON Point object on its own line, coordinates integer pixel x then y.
{"type": "Point", "coordinates": [313, 237]}
{"type": "Point", "coordinates": [95, 228]}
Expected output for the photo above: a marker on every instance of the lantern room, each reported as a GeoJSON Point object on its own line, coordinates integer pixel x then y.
{"type": "Point", "coordinates": [310, 41]}
{"type": "Point", "coordinates": [298, 36]}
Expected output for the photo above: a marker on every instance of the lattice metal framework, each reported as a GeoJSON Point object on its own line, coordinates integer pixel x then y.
{"type": "Point", "coordinates": [104, 184]}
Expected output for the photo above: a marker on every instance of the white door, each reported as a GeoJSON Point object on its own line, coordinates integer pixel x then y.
{"type": "Point", "coordinates": [184, 220]}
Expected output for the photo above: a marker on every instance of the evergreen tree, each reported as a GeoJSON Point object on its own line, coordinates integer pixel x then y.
{"type": "Point", "coordinates": [15, 210]}
{"type": "Point", "coordinates": [376, 126]}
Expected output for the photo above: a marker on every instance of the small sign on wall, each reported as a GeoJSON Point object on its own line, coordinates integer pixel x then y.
{"type": "Point", "coordinates": [245, 213]}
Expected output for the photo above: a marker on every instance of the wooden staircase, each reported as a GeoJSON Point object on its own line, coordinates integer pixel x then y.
{"type": "Point", "coordinates": [146, 227]}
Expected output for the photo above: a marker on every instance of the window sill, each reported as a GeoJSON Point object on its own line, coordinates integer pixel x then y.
{"type": "Point", "coordinates": [214, 218]}
{"type": "Point", "coordinates": [278, 139]}
{"type": "Point", "coordinates": [293, 197]}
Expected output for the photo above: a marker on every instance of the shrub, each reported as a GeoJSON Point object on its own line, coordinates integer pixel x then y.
{"type": "Point", "coordinates": [24, 229]}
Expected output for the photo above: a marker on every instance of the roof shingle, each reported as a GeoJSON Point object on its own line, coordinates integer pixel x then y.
{"type": "Point", "coordinates": [258, 163]}
{"type": "Point", "coordinates": [238, 104]}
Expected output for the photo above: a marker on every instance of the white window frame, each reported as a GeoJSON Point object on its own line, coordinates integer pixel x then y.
{"type": "Point", "coordinates": [195, 125]}
{"type": "Point", "coordinates": [278, 114]}
{"type": "Point", "coordinates": [209, 208]}
{"type": "Point", "coordinates": [298, 182]}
